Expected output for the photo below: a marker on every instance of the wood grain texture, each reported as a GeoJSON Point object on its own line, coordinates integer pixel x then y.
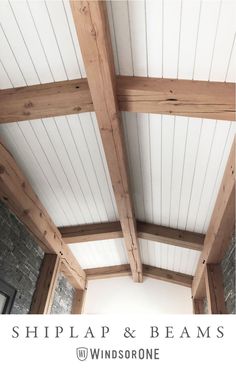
{"type": "Point", "coordinates": [46, 285]}
{"type": "Point", "coordinates": [78, 301]}
{"type": "Point", "coordinates": [91, 232]}
{"type": "Point", "coordinates": [18, 195]}
{"type": "Point", "coordinates": [210, 100]}
{"type": "Point", "coordinates": [93, 33]}
{"type": "Point", "coordinates": [172, 236]}
{"type": "Point", "coordinates": [147, 231]}
{"type": "Point", "coordinates": [45, 100]}
{"type": "Point", "coordinates": [167, 275]}
{"type": "Point", "coordinates": [198, 306]}
{"type": "Point", "coordinates": [221, 226]}
{"type": "Point", "coordinates": [148, 271]}
{"type": "Point", "coordinates": [108, 272]}
{"type": "Point", "coordinates": [215, 289]}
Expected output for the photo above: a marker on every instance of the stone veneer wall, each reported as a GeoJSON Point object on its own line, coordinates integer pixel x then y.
{"type": "Point", "coordinates": [63, 298]}
{"type": "Point", "coordinates": [20, 261]}
{"type": "Point", "coordinates": [229, 274]}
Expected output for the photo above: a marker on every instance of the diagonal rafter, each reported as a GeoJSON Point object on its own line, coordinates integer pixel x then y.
{"type": "Point", "coordinates": [220, 228]}
{"type": "Point", "coordinates": [92, 28]}
{"type": "Point", "coordinates": [18, 195]}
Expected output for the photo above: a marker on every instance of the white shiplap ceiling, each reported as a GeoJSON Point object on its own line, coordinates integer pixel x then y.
{"type": "Point", "coordinates": [176, 166]}
{"type": "Point", "coordinates": [186, 39]}
{"type": "Point", "coordinates": [64, 160]}
{"type": "Point", "coordinates": [176, 163]}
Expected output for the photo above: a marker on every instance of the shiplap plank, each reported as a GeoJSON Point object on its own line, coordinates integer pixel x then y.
{"type": "Point", "coordinates": [154, 38]}
{"type": "Point", "coordinates": [17, 144]}
{"type": "Point", "coordinates": [218, 179]}
{"type": "Point", "coordinates": [74, 37]}
{"type": "Point", "coordinates": [61, 28]}
{"type": "Point", "coordinates": [48, 40]}
{"type": "Point", "coordinates": [202, 163]}
{"type": "Point", "coordinates": [218, 146]}
{"type": "Point", "coordinates": [231, 70]}
{"type": "Point", "coordinates": [169, 257]}
{"type": "Point", "coordinates": [100, 253]}
{"type": "Point", "coordinates": [137, 24]}
{"type": "Point", "coordinates": [192, 149]}
{"type": "Point", "coordinates": [133, 150]}
{"type": "Point", "coordinates": [168, 129]}
{"type": "Point", "coordinates": [74, 175]}
{"type": "Point", "coordinates": [224, 41]}
{"type": "Point", "coordinates": [188, 37]}
{"type": "Point", "coordinates": [145, 158]}
{"type": "Point", "coordinates": [97, 176]}
{"type": "Point", "coordinates": [156, 157]}
{"type": "Point", "coordinates": [21, 10]}
{"type": "Point", "coordinates": [180, 142]}
{"type": "Point", "coordinates": [122, 36]}
{"type": "Point", "coordinates": [10, 64]}
{"type": "Point", "coordinates": [4, 79]}
{"type": "Point", "coordinates": [171, 31]}
{"type": "Point", "coordinates": [17, 45]}
{"type": "Point", "coordinates": [113, 35]}
{"type": "Point", "coordinates": [206, 37]}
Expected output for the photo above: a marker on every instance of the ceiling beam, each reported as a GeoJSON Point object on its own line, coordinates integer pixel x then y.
{"type": "Point", "coordinates": [220, 229]}
{"type": "Point", "coordinates": [18, 195]}
{"type": "Point", "coordinates": [171, 236]}
{"type": "Point", "coordinates": [45, 101]}
{"type": "Point", "coordinates": [92, 27]}
{"type": "Point", "coordinates": [212, 100]}
{"type": "Point", "coordinates": [146, 231]}
{"type": "Point", "coordinates": [91, 232]}
{"type": "Point", "coordinates": [148, 271]}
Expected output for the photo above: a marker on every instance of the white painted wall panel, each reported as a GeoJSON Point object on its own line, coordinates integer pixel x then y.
{"type": "Point", "coordinates": [123, 296]}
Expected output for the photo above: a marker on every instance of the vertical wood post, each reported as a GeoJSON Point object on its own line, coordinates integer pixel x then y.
{"type": "Point", "coordinates": [46, 285]}
{"type": "Point", "coordinates": [198, 306]}
{"type": "Point", "coordinates": [78, 301]}
{"type": "Point", "coordinates": [215, 289]}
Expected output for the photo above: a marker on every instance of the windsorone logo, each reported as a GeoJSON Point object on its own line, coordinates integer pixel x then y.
{"type": "Point", "coordinates": [82, 353]}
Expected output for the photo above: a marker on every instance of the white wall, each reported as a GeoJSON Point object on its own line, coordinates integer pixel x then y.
{"type": "Point", "coordinates": [122, 295]}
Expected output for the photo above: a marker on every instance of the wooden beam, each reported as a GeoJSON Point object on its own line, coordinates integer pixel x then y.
{"type": "Point", "coordinates": [46, 284]}
{"type": "Point", "coordinates": [221, 226]}
{"type": "Point", "coordinates": [215, 289]}
{"type": "Point", "coordinates": [198, 306]}
{"type": "Point", "coordinates": [78, 301]}
{"type": "Point", "coordinates": [18, 195]}
{"type": "Point", "coordinates": [92, 27]}
{"type": "Point", "coordinates": [167, 275]}
{"type": "Point", "coordinates": [151, 232]}
{"type": "Point", "coordinates": [171, 236]}
{"type": "Point", "coordinates": [211, 100]}
{"type": "Point", "coordinates": [45, 100]}
{"type": "Point", "coordinates": [148, 271]}
{"type": "Point", "coordinates": [91, 232]}
{"type": "Point", "coordinates": [214, 100]}
{"type": "Point", "coordinates": [108, 272]}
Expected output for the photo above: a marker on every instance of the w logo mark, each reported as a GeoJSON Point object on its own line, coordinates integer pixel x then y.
{"type": "Point", "coordinates": [82, 353]}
